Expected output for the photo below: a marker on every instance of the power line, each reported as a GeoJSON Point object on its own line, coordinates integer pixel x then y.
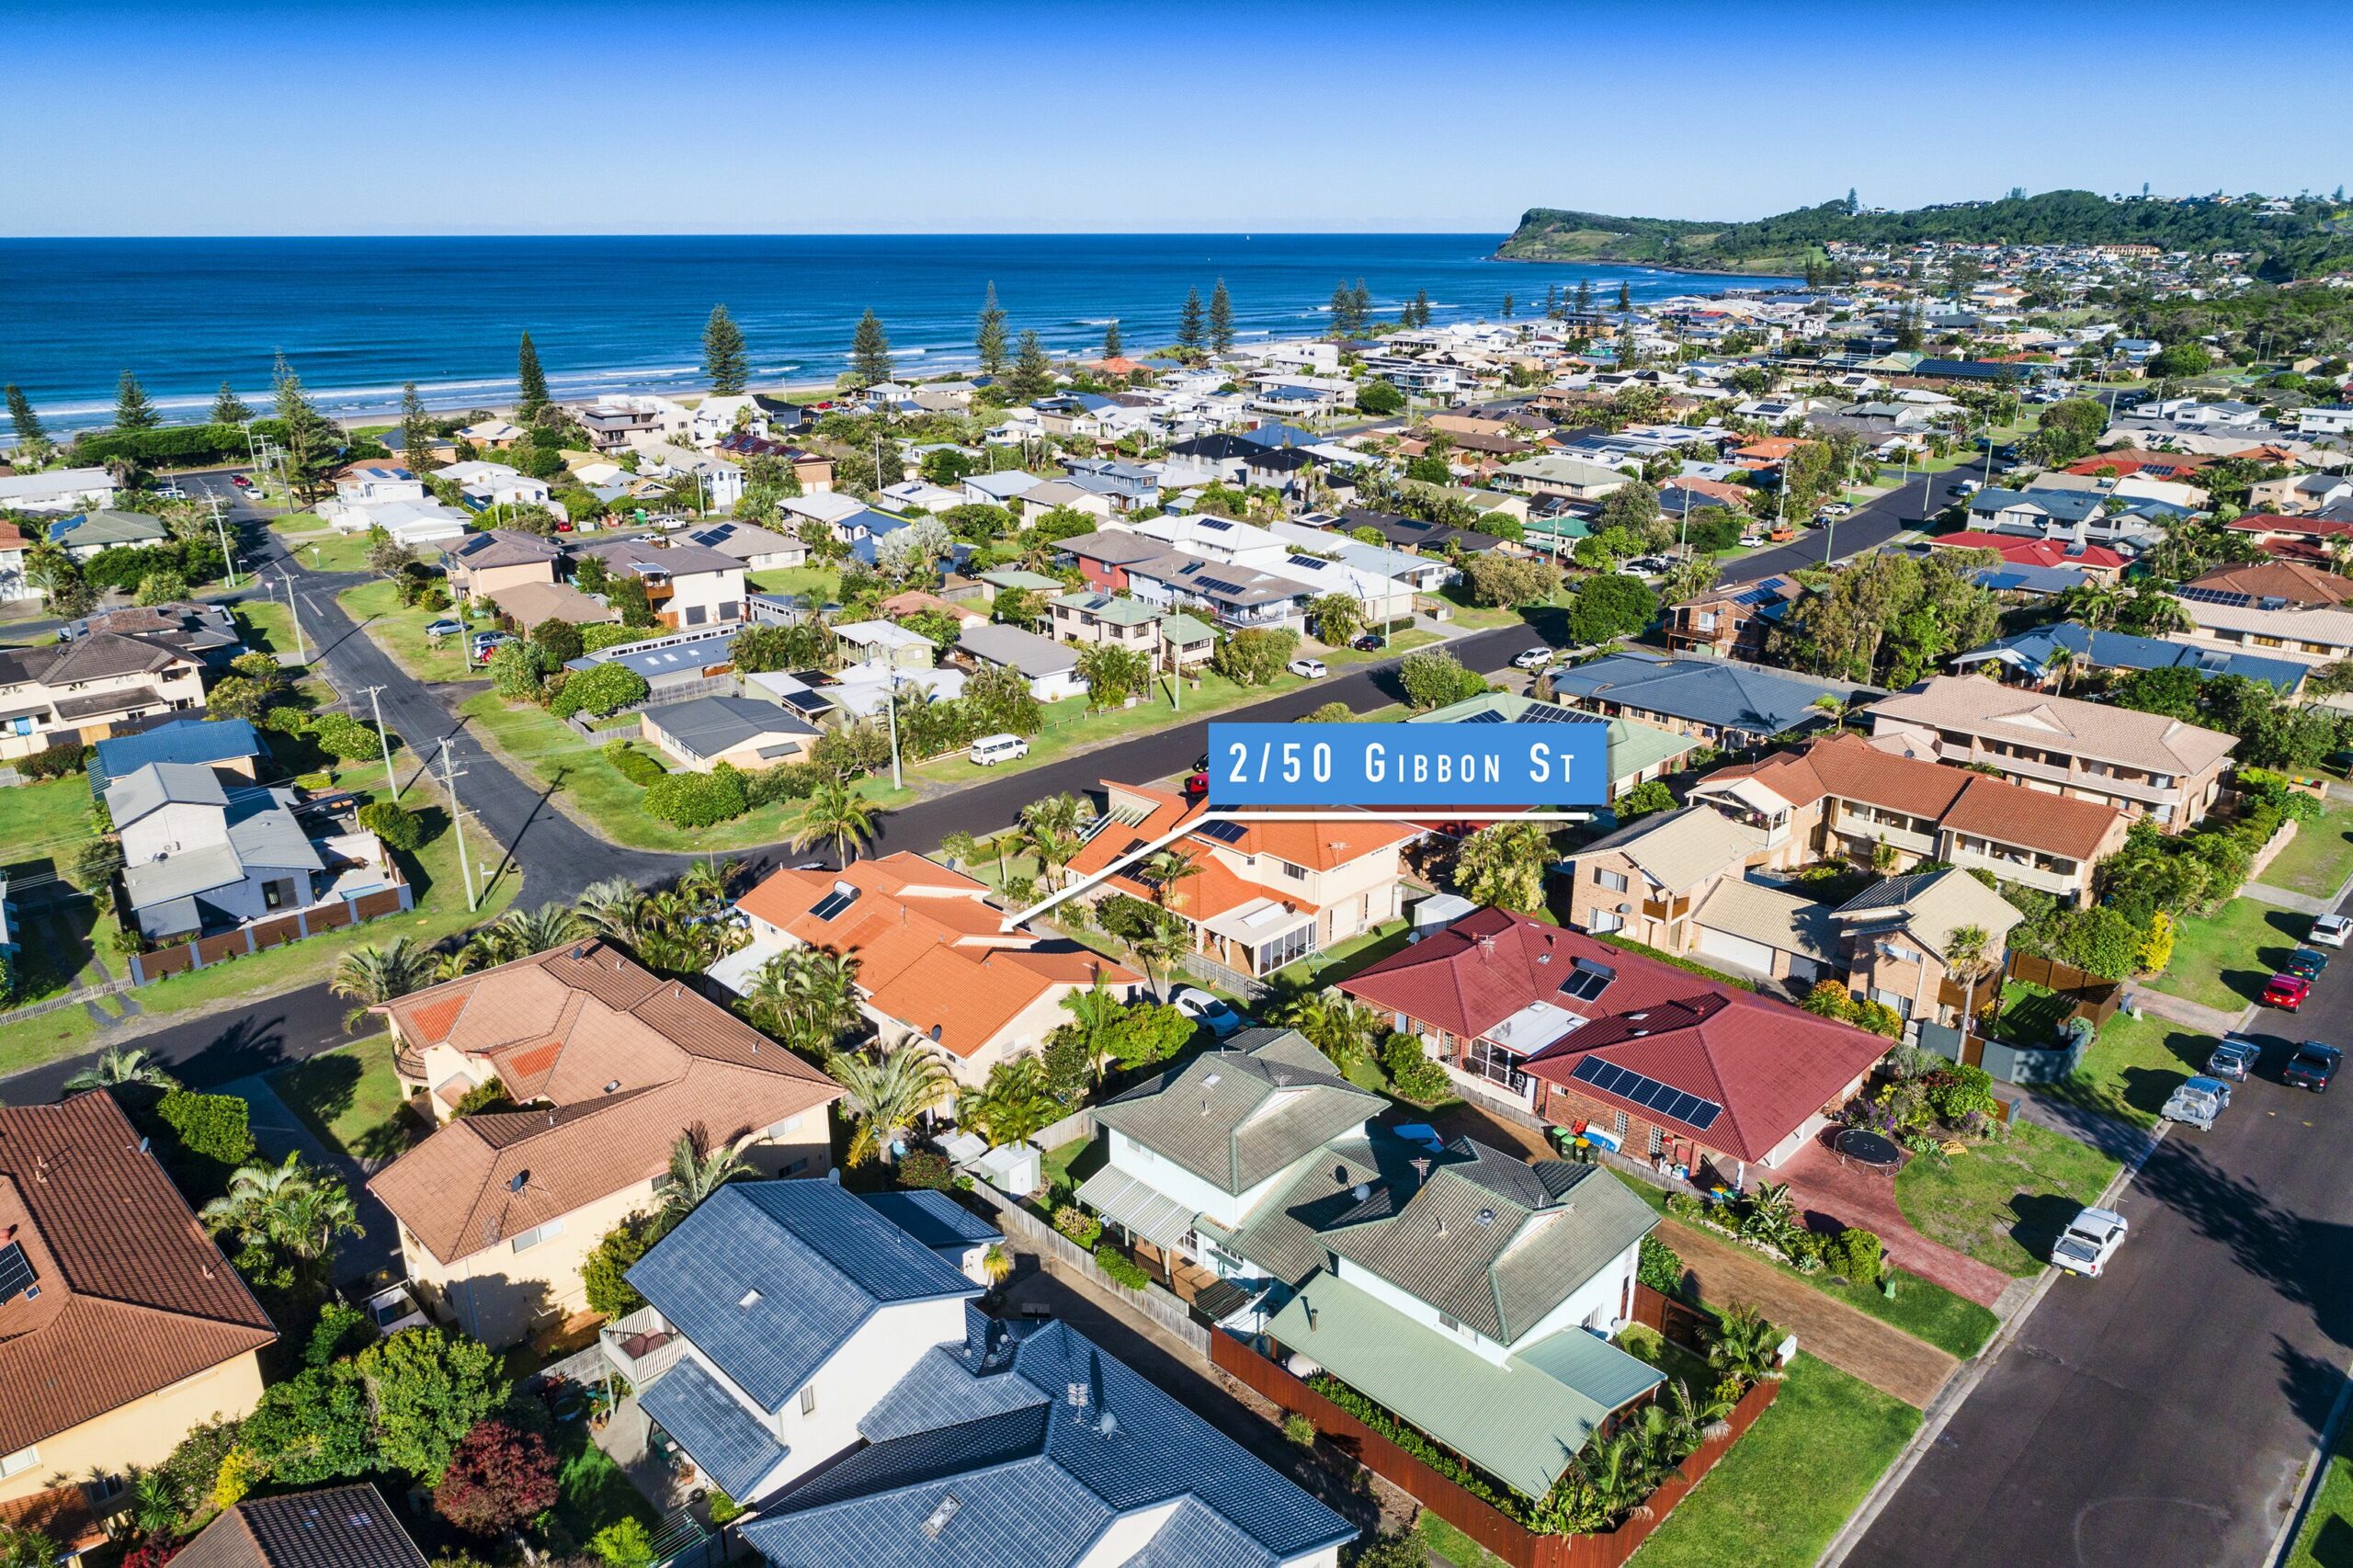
{"type": "Point", "coordinates": [449, 777]}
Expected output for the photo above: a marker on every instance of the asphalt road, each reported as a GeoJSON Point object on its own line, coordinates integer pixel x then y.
{"type": "Point", "coordinates": [1900, 510]}
{"type": "Point", "coordinates": [2161, 1414]}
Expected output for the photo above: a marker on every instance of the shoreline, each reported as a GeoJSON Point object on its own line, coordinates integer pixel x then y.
{"type": "Point", "coordinates": [1647, 267]}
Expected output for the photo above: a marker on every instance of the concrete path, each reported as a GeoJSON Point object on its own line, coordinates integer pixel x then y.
{"type": "Point", "coordinates": [2181, 1010]}
{"type": "Point", "coordinates": [1853, 1196]}
{"type": "Point", "coordinates": [2302, 904]}
{"type": "Point", "coordinates": [279, 1132]}
{"type": "Point", "coordinates": [2112, 1136]}
{"type": "Point", "coordinates": [1885, 1356]}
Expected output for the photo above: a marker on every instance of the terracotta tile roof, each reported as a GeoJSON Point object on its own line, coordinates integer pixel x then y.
{"type": "Point", "coordinates": [2127, 460]}
{"type": "Point", "coordinates": [1317, 845]}
{"type": "Point", "coordinates": [61, 1513]}
{"type": "Point", "coordinates": [628, 1060]}
{"type": "Point", "coordinates": [1770, 1065]}
{"type": "Point", "coordinates": [133, 1295]}
{"type": "Point", "coordinates": [2017, 551]}
{"type": "Point", "coordinates": [1852, 769]}
{"type": "Point", "coordinates": [2288, 580]}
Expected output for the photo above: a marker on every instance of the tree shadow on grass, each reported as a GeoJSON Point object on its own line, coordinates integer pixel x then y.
{"type": "Point", "coordinates": [2038, 1221]}
{"type": "Point", "coordinates": [321, 1089]}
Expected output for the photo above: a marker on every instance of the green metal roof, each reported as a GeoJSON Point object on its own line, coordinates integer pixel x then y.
{"type": "Point", "coordinates": [1106, 607]}
{"type": "Point", "coordinates": [1522, 1421]}
{"type": "Point", "coordinates": [1244, 1112]}
{"type": "Point", "coordinates": [1184, 631]}
{"type": "Point", "coordinates": [1564, 526]}
{"type": "Point", "coordinates": [1014, 577]}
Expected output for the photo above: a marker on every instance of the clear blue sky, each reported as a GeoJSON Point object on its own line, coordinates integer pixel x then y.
{"type": "Point", "coordinates": [421, 117]}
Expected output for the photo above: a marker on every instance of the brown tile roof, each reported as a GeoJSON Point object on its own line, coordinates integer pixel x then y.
{"type": "Point", "coordinates": [97, 656]}
{"type": "Point", "coordinates": [2288, 580]}
{"type": "Point", "coordinates": [61, 1513]}
{"type": "Point", "coordinates": [133, 1295]}
{"type": "Point", "coordinates": [627, 1060]}
{"type": "Point", "coordinates": [2065, 726]}
{"type": "Point", "coordinates": [335, 1527]}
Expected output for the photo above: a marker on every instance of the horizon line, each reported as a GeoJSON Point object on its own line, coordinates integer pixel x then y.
{"type": "Point", "coordinates": [797, 234]}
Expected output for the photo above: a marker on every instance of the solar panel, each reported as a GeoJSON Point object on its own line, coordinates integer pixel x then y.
{"type": "Point", "coordinates": [1552, 713]}
{"type": "Point", "coordinates": [1309, 561]}
{"type": "Point", "coordinates": [1218, 585]}
{"type": "Point", "coordinates": [1585, 985]}
{"type": "Point", "coordinates": [1224, 831]}
{"type": "Point", "coordinates": [1663, 1100]}
{"type": "Point", "coordinates": [834, 903]}
{"type": "Point", "coordinates": [2215, 597]}
{"type": "Point", "coordinates": [16, 1272]}
{"type": "Point", "coordinates": [1484, 716]}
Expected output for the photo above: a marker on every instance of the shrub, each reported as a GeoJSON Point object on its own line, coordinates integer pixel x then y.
{"type": "Point", "coordinates": [598, 691]}
{"type": "Point", "coordinates": [1119, 1268]}
{"type": "Point", "coordinates": [498, 1479]}
{"type": "Point", "coordinates": [1830, 999]}
{"type": "Point", "coordinates": [284, 721]}
{"type": "Point", "coordinates": [489, 1094]}
{"type": "Point", "coordinates": [1641, 1341]}
{"type": "Point", "coordinates": [926, 1168]}
{"type": "Point", "coordinates": [1661, 1267]}
{"type": "Point", "coordinates": [1612, 606]}
{"type": "Point", "coordinates": [696, 800]}
{"type": "Point", "coordinates": [1412, 1074]}
{"type": "Point", "coordinates": [1254, 657]}
{"type": "Point", "coordinates": [724, 1509]}
{"type": "Point", "coordinates": [1078, 1225]}
{"type": "Point", "coordinates": [623, 1544]}
{"type": "Point", "coordinates": [345, 738]}
{"type": "Point", "coordinates": [604, 1274]}
{"type": "Point", "coordinates": [1956, 1091]}
{"type": "Point", "coordinates": [94, 864]}
{"type": "Point", "coordinates": [1853, 1255]}
{"type": "Point", "coordinates": [399, 828]}
{"type": "Point", "coordinates": [208, 1127]}
{"type": "Point", "coordinates": [60, 758]}
{"type": "Point", "coordinates": [1299, 1430]}
{"type": "Point", "coordinates": [637, 766]}
{"type": "Point", "coordinates": [1436, 678]}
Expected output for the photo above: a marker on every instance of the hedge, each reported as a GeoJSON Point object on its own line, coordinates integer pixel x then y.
{"type": "Point", "coordinates": [1122, 1270]}
{"type": "Point", "coordinates": [346, 739]}
{"type": "Point", "coordinates": [60, 758]}
{"type": "Point", "coordinates": [633, 765]}
{"type": "Point", "coordinates": [395, 824]}
{"type": "Point", "coordinates": [696, 800]}
{"type": "Point", "coordinates": [598, 691]}
{"type": "Point", "coordinates": [186, 444]}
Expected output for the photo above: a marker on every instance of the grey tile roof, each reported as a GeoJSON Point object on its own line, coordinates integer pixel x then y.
{"type": "Point", "coordinates": [770, 1279]}
{"type": "Point", "coordinates": [733, 1448]}
{"type": "Point", "coordinates": [1705, 691]}
{"type": "Point", "coordinates": [1035, 1486]}
{"type": "Point", "coordinates": [934, 1219]}
{"type": "Point", "coordinates": [1491, 1242]}
{"type": "Point", "coordinates": [335, 1527]}
{"type": "Point", "coordinates": [1237, 1116]}
{"type": "Point", "coordinates": [159, 784]}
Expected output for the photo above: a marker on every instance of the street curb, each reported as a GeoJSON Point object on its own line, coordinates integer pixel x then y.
{"type": "Point", "coordinates": [1951, 1398]}
{"type": "Point", "coordinates": [2316, 1471]}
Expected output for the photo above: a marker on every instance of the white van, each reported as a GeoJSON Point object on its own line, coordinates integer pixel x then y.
{"type": "Point", "coordinates": [990, 750]}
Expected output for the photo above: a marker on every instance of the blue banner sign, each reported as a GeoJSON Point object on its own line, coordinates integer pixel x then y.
{"type": "Point", "coordinates": [1563, 764]}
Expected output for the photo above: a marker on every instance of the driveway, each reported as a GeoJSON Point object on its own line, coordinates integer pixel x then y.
{"type": "Point", "coordinates": [2164, 1412]}
{"type": "Point", "coordinates": [278, 1132]}
{"type": "Point", "coordinates": [1852, 1194]}
{"type": "Point", "coordinates": [1886, 1358]}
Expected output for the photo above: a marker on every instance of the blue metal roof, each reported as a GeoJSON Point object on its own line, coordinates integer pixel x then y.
{"type": "Point", "coordinates": [1703, 691]}
{"type": "Point", "coordinates": [733, 1448]}
{"type": "Point", "coordinates": [770, 1279]}
{"type": "Point", "coordinates": [182, 740]}
{"type": "Point", "coordinates": [1034, 1483]}
{"type": "Point", "coordinates": [934, 1219]}
{"type": "Point", "coordinates": [2123, 650]}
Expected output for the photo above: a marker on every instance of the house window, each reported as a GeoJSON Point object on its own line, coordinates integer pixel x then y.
{"type": "Point", "coordinates": [694, 615]}
{"type": "Point", "coordinates": [1894, 999]}
{"type": "Point", "coordinates": [1285, 947]}
{"type": "Point", "coordinates": [1658, 1142]}
{"type": "Point", "coordinates": [1614, 881]}
{"type": "Point", "coordinates": [1450, 1324]}
{"type": "Point", "coordinates": [1296, 873]}
{"type": "Point", "coordinates": [1604, 921]}
{"type": "Point", "coordinates": [532, 1238]}
{"type": "Point", "coordinates": [1617, 1124]}
{"type": "Point", "coordinates": [779, 1128]}
{"type": "Point", "coordinates": [809, 1400]}
{"type": "Point", "coordinates": [18, 1463]}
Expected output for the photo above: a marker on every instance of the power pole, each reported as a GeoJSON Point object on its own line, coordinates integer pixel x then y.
{"type": "Point", "coordinates": [294, 612]}
{"type": "Point", "coordinates": [449, 778]}
{"type": "Point", "coordinates": [227, 558]}
{"type": "Point", "coordinates": [385, 741]}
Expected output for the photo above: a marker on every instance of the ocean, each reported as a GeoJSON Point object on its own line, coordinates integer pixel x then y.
{"type": "Point", "coordinates": [358, 317]}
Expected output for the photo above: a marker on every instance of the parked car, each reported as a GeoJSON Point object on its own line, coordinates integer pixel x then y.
{"type": "Point", "coordinates": [241, 481]}
{"type": "Point", "coordinates": [1534, 659]}
{"type": "Point", "coordinates": [1203, 1007]}
{"type": "Point", "coordinates": [2306, 963]}
{"type": "Point", "coordinates": [170, 492]}
{"type": "Point", "coordinates": [1750, 541]}
{"type": "Point", "coordinates": [1967, 487]}
{"type": "Point", "coordinates": [2330, 931]}
{"type": "Point", "coordinates": [1307, 669]}
{"type": "Point", "coordinates": [483, 645]}
{"type": "Point", "coordinates": [1370, 642]}
{"type": "Point", "coordinates": [2090, 1239]}
{"type": "Point", "coordinates": [2312, 1067]}
{"type": "Point", "coordinates": [2233, 1058]}
{"type": "Point", "coordinates": [2286, 992]}
{"type": "Point", "coordinates": [990, 750]}
{"type": "Point", "coordinates": [2198, 1102]}
{"type": "Point", "coordinates": [444, 628]}
{"type": "Point", "coordinates": [1835, 510]}
{"type": "Point", "coordinates": [395, 1309]}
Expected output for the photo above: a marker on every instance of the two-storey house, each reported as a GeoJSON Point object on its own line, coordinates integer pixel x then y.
{"type": "Point", "coordinates": [687, 585]}
{"type": "Point", "coordinates": [91, 688]}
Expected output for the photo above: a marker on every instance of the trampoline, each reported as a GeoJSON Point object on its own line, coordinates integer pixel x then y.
{"type": "Point", "coordinates": [1870, 1150]}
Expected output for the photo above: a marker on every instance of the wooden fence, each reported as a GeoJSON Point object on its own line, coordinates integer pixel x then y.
{"type": "Point", "coordinates": [1037, 1234]}
{"type": "Point", "coordinates": [1509, 1539]}
{"type": "Point", "coordinates": [276, 931]}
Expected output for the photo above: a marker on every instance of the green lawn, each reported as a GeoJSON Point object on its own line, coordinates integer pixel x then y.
{"type": "Point", "coordinates": [2326, 1538]}
{"type": "Point", "coordinates": [2006, 1200]}
{"type": "Point", "coordinates": [1779, 1495]}
{"type": "Point", "coordinates": [42, 825]}
{"type": "Point", "coordinates": [440, 912]}
{"type": "Point", "coordinates": [1436, 1535]}
{"type": "Point", "coordinates": [1921, 1308]}
{"type": "Point", "coordinates": [350, 1097]}
{"type": "Point", "coordinates": [591, 1490]}
{"type": "Point", "coordinates": [2030, 1014]}
{"type": "Point", "coordinates": [2224, 962]}
{"type": "Point", "coordinates": [1055, 1168]}
{"type": "Point", "coordinates": [2319, 859]}
{"type": "Point", "coordinates": [268, 628]}
{"type": "Point", "coordinates": [821, 583]}
{"type": "Point", "coordinates": [594, 792]}
{"type": "Point", "coordinates": [2133, 1066]}
{"type": "Point", "coordinates": [400, 631]}
{"type": "Point", "coordinates": [330, 551]}
{"type": "Point", "coordinates": [1341, 960]}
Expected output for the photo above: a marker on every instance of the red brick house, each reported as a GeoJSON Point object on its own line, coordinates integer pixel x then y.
{"type": "Point", "coordinates": [1677, 1069]}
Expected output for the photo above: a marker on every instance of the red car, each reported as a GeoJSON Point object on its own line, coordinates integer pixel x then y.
{"type": "Point", "coordinates": [2287, 990]}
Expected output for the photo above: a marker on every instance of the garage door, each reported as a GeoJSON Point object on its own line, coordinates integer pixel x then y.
{"type": "Point", "coordinates": [1738, 951]}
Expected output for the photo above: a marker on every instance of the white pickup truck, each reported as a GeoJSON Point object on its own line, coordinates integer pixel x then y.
{"type": "Point", "coordinates": [2090, 1239]}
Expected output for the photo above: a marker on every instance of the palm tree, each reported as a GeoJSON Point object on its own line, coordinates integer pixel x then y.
{"type": "Point", "coordinates": [1050, 826]}
{"type": "Point", "coordinates": [1164, 872]}
{"type": "Point", "coordinates": [1832, 704]}
{"type": "Point", "coordinates": [833, 810]}
{"type": "Point", "coordinates": [704, 885]}
{"type": "Point", "coordinates": [610, 907]}
{"type": "Point", "coordinates": [467, 956]}
{"type": "Point", "coordinates": [1620, 1477]}
{"type": "Point", "coordinates": [1160, 949]}
{"type": "Point", "coordinates": [1338, 1028]}
{"type": "Point", "coordinates": [1012, 1104]}
{"type": "Point", "coordinates": [885, 1093]}
{"type": "Point", "coordinates": [289, 1206]}
{"type": "Point", "coordinates": [154, 1505]}
{"type": "Point", "coordinates": [121, 1064]}
{"type": "Point", "coordinates": [2059, 665]}
{"type": "Point", "coordinates": [1744, 1345]}
{"type": "Point", "coordinates": [697, 1172]}
{"type": "Point", "coordinates": [373, 975]}
{"type": "Point", "coordinates": [1967, 950]}
{"type": "Point", "coordinates": [1096, 1010]}
{"type": "Point", "coordinates": [519, 933]}
{"type": "Point", "coordinates": [998, 1264]}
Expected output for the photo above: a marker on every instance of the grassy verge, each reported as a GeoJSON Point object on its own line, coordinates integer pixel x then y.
{"type": "Point", "coordinates": [2326, 1538]}
{"type": "Point", "coordinates": [328, 551]}
{"type": "Point", "coordinates": [400, 631]}
{"type": "Point", "coordinates": [268, 628]}
{"type": "Point", "coordinates": [2319, 859]}
{"type": "Point", "coordinates": [2225, 962]}
{"type": "Point", "coordinates": [2003, 1203]}
{"type": "Point", "coordinates": [351, 1099]}
{"type": "Point", "coordinates": [609, 805]}
{"type": "Point", "coordinates": [1921, 1308]}
{"type": "Point", "coordinates": [2133, 1066]}
{"type": "Point", "coordinates": [1776, 1499]}
{"type": "Point", "coordinates": [1452, 1544]}
{"type": "Point", "coordinates": [42, 825]}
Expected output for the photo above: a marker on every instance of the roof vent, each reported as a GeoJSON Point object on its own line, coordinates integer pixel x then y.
{"type": "Point", "coordinates": [1441, 1225]}
{"type": "Point", "coordinates": [612, 1086]}
{"type": "Point", "coordinates": [1487, 1216]}
{"type": "Point", "coordinates": [518, 1181]}
{"type": "Point", "coordinates": [575, 955]}
{"type": "Point", "coordinates": [1075, 1393]}
{"type": "Point", "coordinates": [937, 1520]}
{"type": "Point", "coordinates": [750, 1299]}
